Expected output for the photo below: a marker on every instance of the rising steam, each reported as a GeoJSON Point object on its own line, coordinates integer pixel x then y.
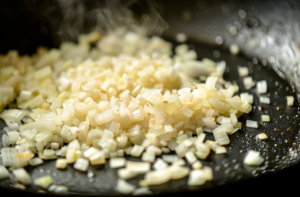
{"type": "Point", "coordinates": [70, 18]}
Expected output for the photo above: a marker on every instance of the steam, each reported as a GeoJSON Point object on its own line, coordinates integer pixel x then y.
{"type": "Point", "coordinates": [70, 18]}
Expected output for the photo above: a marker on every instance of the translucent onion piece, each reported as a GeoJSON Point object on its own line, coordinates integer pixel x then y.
{"type": "Point", "coordinates": [251, 124]}
{"type": "Point", "coordinates": [58, 189]}
{"type": "Point", "coordinates": [261, 87]}
{"type": "Point", "coordinates": [44, 181]}
{"type": "Point", "coordinates": [124, 187]}
{"type": "Point", "coordinates": [138, 167]}
{"type": "Point", "coordinates": [253, 158]}
{"type": "Point", "coordinates": [157, 177]}
{"type": "Point", "coordinates": [290, 100]}
{"type": "Point", "coordinates": [197, 177]}
{"type": "Point", "coordinates": [81, 164]}
{"type": "Point", "coordinates": [22, 176]}
{"type": "Point", "coordinates": [117, 162]}
{"type": "Point", "coordinates": [126, 174]}
{"type": "Point", "coordinates": [3, 172]}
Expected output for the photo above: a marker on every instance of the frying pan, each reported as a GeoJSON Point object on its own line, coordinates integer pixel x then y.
{"type": "Point", "coordinates": [267, 34]}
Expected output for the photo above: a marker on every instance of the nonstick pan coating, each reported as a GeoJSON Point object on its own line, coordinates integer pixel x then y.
{"type": "Point", "coordinates": [280, 151]}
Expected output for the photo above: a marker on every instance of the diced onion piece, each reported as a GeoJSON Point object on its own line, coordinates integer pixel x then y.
{"type": "Point", "coordinates": [209, 122]}
{"type": "Point", "coordinates": [211, 82]}
{"type": "Point", "coordinates": [234, 49]}
{"type": "Point", "coordinates": [247, 97]}
{"type": "Point", "coordinates": [58, 189]}
{"type": "Point", "coordinates": [170, 158]}
{"type": "Point", "coordinates": [220, 150]}
{"type": "Point", "coordinates": [220, 134]}
{"type": "Point", "coordinates": [251, 124]}
{"type": "Point", "coordinates": [199, 130]}
{"type": "Point", "coordinates": [137, 151]}
{"type": "Point", "coordinates": [157, 177]}
{"type": "Point", "coordinates": [81, 164]}
{"type": "Point", "coordinates": [126, 174]}
{"type": "Point", "coordinates": [138, 167]}
{"type": "Point", "coordinates": [178, 172]}
{"type": "Point", "coordinates": [290, 100]}
{"type": "Point", "coordinates": [15, 115]}
{"type": "Point", "coordinates": [197, 177]}
{"type": "Point", "coordinates": [22, 176]}
{"type": "Point", "coordinates": [202, 150]}
{"type": "Point", "coordinates": [44, 181]}
{"type": "Point", "coordinates": [264, 100]}
{"type": "Point", "coordinates": [3, 172]}
{"type": "Point", "coordinates": [261, 87]}
{"type": "Point", "coordinates": [148, 156]}
{"type": "Point", "coordinates": [13, 136]}
{"type": "Point", "coordinates": [54, 145]}
{"type": "Point", "coordinates": [181, 149]}
{"type": "Point", "coordinates": [181, 37]}
{"type": "Point", "coordinates": [248, 82]}
{"type": "Point", "coordinates": [117, 162]}
{"type": "Point", "coordinates": [243, 71]}
{"type": "Point", "coordinates": [190, 157]}
{"type": "Point", "coordinates": [208, 173]}
{"type": "Point", "coordinates": [61, 163]}
{"type": "Point", "coordinates": [265, 118]}
{"type": "Point", "coordinates": [197, 165]}
{"type": "Point", "coordinates": [253, 158]}
{"type": "Point", "coordinates": [142, 191]}
{"type": "Point", "coordinates": [124, 187]}
{"type": "Point", "coordinates": [35, 161]}
{"type": "Point", "coordinates": [159, 164]}
{"type": "Point", "coordinates": [262, 136]}
{"type": "Point", "coordinates": [154, 149]}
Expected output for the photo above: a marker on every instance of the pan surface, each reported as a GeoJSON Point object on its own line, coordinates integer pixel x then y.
{"type": "Point", "coordinates": [280, 151]}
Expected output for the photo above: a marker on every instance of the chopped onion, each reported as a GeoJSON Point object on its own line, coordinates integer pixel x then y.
{"type": "Point", "coordinates": [220, 150]}
{"type": "Point", "coordinates": [243, 71]}
{"type": "Point", "coordinates": [141, 191]}
{"type": "Point", "coordinates": [137, 151]}
{"type": "Point", "coordinates": [61, 163]}
{"type": "Point", "coordinates": [234, 49]}
{"type": "Point", "coordinates": [178, 172]}
{"type": "Point", "coordinates": [253, 158]}
{"type": "Point", "coordinates": [159, 164]}
{"type": "Point", "coordinates": [138, 167]}
{"type": "Point", "coordinates": [202, 151]}
{"type": "Point", "coordinates": [124, 187]}
{"type": "Point", "coordinates": [148, 156]}
{"type": "Point", "coordinates": [58, 189]}
{"type": "Point", "coordinates": [197, 177]}
{"type": "Point", "coordinates": [126, 174]}
{"type": "Point", "coordinates": [81, 164]}
{"type": "Point", "coordinates": [265, 118]}
{"type": "Point", "coordinates": [35, 161]}
{"type": "Point", "coordinates": [264, 100]}
{"type": "Point", "coordinates": [261, 87]}
{"type": "Point", "coordinates": [290, 100]}
{"type": "Point", "coordinates": [251, 124]}
{"type": "Point", "coordinates": [262, 136]}
{"type": "Point", "coordinates": [3, 172]}
{"type": "Point", "coordinates": [197, 165]}
{"type": "Point", "coordinates": [117, 162]}
{"type": "Point", "coordinates": [157, 177]}
{"type": "Point", "coordinates": [208, 172]}
{"type": "Point", "coordinates": [22, 176]}
{"type": "Point", "coordinates": [44, 181]}
{"type": "Point", "coordinates": [190, 157]}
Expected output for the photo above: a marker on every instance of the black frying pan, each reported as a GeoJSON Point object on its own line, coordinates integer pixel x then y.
{"type": "Point", "coordinates": [273, 25]}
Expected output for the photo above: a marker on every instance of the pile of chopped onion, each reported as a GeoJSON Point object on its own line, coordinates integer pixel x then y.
{"type": "Point", "coordinates": [126, 96]}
